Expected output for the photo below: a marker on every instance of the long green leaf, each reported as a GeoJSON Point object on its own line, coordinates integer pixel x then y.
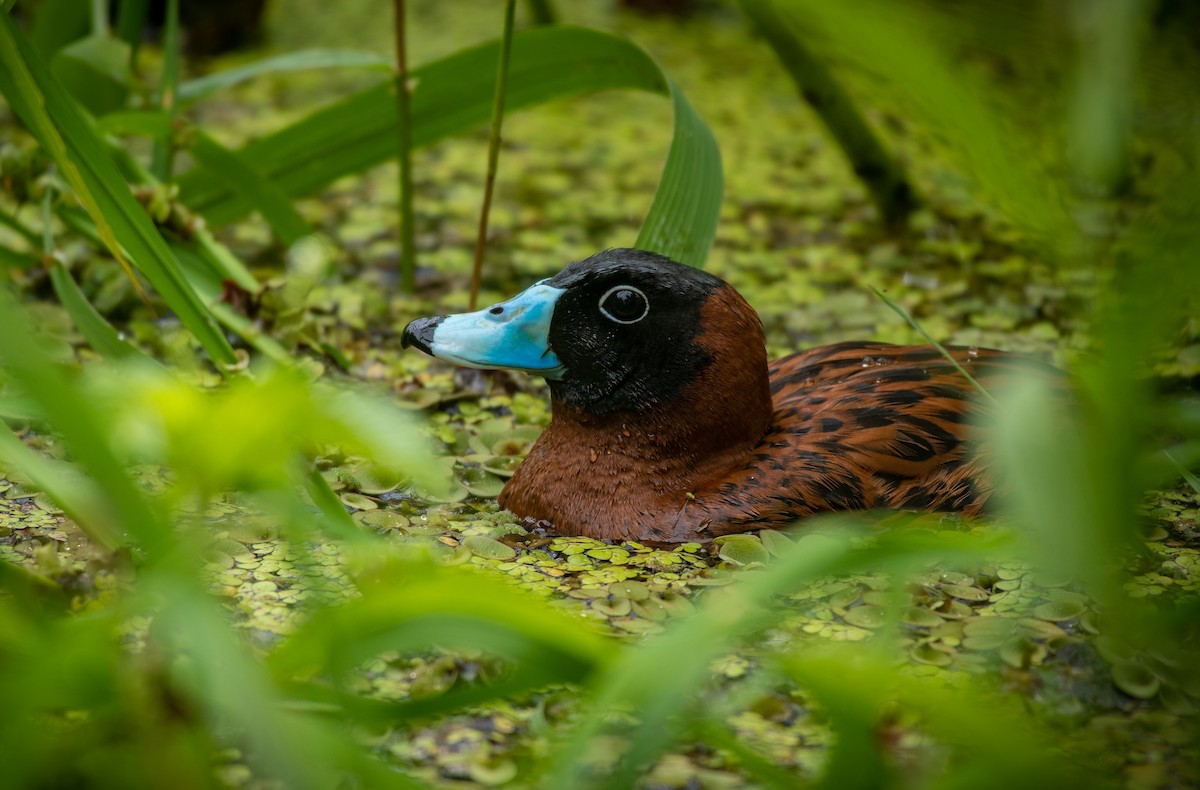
{"type": "Point", "coordinates": [263, 194]}
{"type": "Point", "coordinates": [81, 156]}
{"type": "Point", "coordinates": [682, 220]}
{"type": "Point", "coordinates": [454, 95]}
{"type": "Point", "coordinates": [140, 122]}
{"type": "Point", "coordinates": [98, 332]}
{"type": "Point", "coordinates": [415, 605]}
{"type": "Point", "coordinates": [201, 87]}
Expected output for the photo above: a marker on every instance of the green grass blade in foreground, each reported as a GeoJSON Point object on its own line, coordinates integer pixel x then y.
{"type": "Point", "coordinates": [12, 259]}
{"type": "Point", "coordinates": [658, 680]}
{"type": "Point", "coordinates": [77, 496]}
{"type": "Point", "coordinates": [262, 194]}
{"type": "Point", "coordinates": [140, 122]}
{"type": "Point", "coordinates": [81, 157]}
{"type": "Point", "coordinates": [995, 744]}
{"type": "Point", "coordinates": [235, 694]}
{"type": "Point", "coordinates": [454, 95]}
{"type": "Point", "coordinates": [74, 418]}
{"type": "Point", "coordinates": [880, 172]}
{"type": "Point", "coordinates": [887, 39]}
{"type": "Point", "coordinates": [131, 24]}
{"type": "Point", "coordinates": [412, 604]}
{"type": "Point", "coordinates": [336, 519]}
{"type": "Point", "coordinates": [201, 87]}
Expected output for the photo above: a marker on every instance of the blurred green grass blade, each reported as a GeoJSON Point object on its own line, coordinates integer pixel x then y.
{"type": "Point", "coordinates": [261, 193]}
{"type": "Point", "coordinates": [403, 90]}
{"type": "Point", "coordinates": [682, 220]}
{"type": "Point", "coordinates": [232, 690]}
{"type": "Point", "coordinates": [30, 588]}
{"type": "Point", "coordinates": [81, 157]}
{"type": "Point", "coordinates": [495, 129]}
{"type": "Point", "coordinates": [147, 123]}
{"type": "Point", "coordinates": [13, 259]}
{"type": "Point", "coordinates": [80, 424]}
{"type": "Point", "coordinates": [131, 23]}
{"type": "Point", "coordinates": [58, 23]}
{"type": "Point", "coordinates": [655, 679]}
{"type": "Point", "coordinates": [203, 266]}
{"type": "Point", "coordinates": [415, 605]}
{"type": "Point", "coordinates": [15, 225]}
{"type": "Point", "coordinates": [95, 71]}
{"type": "Point", "coordinates": [454, 95]}
{"type": "Point", "coordinates": [99, 333]}
{"type": "Point", "coordinates": [1050, 477]}
{"type": "Point", "coordinates": [887, 39]}
{"type": "Point", "coordinates": [202, 87]}
{"type": "Point", "coordinates": [759, 768]}
{"type": "Point", "coordinates": [1102, 109]}
{"type": "Point", "coordinates": [77, 496]}
{"type": "Point", "coordinates": [338, 521]}
{"type": "Point", "coordinates": [880, 172]}
{"type": "Point", "coordinates": [666, 671]}
{"type": "Point", "coordinates": [996, 744]}
{"type": "Point", "coordinates": [220, 259]}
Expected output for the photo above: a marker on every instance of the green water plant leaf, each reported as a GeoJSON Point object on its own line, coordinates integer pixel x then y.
{"type": "Point", "coordinates": [743, 550]}
{"type": "Point", "coordinates": [490, 548]}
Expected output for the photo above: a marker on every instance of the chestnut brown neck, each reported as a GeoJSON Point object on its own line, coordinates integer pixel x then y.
{"type": "Point", "coordinates": [726, 409]}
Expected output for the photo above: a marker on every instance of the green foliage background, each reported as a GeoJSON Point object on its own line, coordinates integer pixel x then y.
{"type": "Point", "coordinates": [245, 541]}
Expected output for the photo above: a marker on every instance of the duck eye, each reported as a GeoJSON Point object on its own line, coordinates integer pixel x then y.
{"type": "Point", "coordinates": [624, 304]}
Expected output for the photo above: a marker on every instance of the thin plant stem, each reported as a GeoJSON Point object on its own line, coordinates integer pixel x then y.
{"type": "Point", "coordinates": [900, 311]}
{"type": "Point", "coordinates": [489, 183]}
{"type": "Point", "coordinates": [162, 162]}
{"type": "Point", "coordinates": [99, 17]}
{"type": "Point", "coordinates": [408, 240]}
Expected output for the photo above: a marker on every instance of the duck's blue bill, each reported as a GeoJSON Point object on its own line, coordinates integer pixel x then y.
{"type": "Point", "coordinates": [513, 334]}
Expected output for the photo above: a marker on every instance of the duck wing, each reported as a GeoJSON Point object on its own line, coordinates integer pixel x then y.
{"type": "Point", "coordinates": [865, 425]}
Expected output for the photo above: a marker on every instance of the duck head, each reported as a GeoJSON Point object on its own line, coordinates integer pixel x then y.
{"type": "Point", "coordinates": [656, 370]}
{"type": "Point", "coordinates": [622, 331]}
